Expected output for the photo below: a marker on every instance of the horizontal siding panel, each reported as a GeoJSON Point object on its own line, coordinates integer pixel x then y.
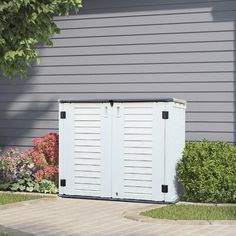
{"type": "Point", "coordinates": [20, 142]}
{"type": "Point", "coordinates": [121, 79]}
{"type": "Point", "coordinates": [143, 20]}
{"type": "Point", "coordinates": [25, 133]}
{"type": "Point", "coordinates": [137, 48]}
{"type": "Point", "coordinates": [210, 117]}
{"type": "Point", "coordinates": [210, 127]}
{"type": "Point", "coordinates": [189, 96]}
{"type": "Point", "coordinates": [138, 87]}
{"type": "Point", "coordinates": [229, 137]}
{"type": "Point", "coordinates": [29, 116]}
{"type": "Point", "coordinates": [24, 124]}
{"type": "Point", "coordinates": [139, 58]}
{"type": "Point", "coordinates": [147, 39]}
{"type": "Point", "coordinates": [217, 7]}
{"type": "Point", "coordinates": [136, 68]}
{"type": "Point", "coordinates": [211, 107]}
{"type": "Point", "coordinates": [30, 106]}
{"type": "Point", "coordinates": [147, 29]}
{"type": "Point", "coordinates": [104, 4]}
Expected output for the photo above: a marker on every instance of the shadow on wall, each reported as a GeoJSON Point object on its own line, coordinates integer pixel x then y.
{"type": "Point", "coordinates": [229, 16]}
{"type": "Point", "coordinates": [22, 114]}
{"type": "Point", "coordinates": [27, 112]}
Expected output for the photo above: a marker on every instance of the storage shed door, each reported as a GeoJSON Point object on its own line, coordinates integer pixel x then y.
{"type": "Point", "coordinates": [138, 151]}
{"type": "Point", "coordinates": [85, 149]}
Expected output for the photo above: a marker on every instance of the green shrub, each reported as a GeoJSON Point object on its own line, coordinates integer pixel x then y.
{"type": "Point", "coordinates": [208, 172]}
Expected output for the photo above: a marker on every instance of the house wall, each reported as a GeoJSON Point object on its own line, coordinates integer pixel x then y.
{"type": "Point", "coordinates": [132, 49]}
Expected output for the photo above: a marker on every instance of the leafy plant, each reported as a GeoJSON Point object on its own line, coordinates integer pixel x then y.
{"type": "Point", "coordinates": [24, 23]}
{"type": "Point", "coordinates": [26, 184]}
{"type": "Point", "coordinates": [47, 186]}
{"type": "Point", "coordinates": [208, 172]}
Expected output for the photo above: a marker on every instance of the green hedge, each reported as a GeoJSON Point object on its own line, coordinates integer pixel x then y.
{"type": "Point", "coordinates": [208, 172]}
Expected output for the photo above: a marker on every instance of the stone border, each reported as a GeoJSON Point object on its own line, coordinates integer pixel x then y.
{"type": "Point", "coordinates": [27, 202]}
{"type": "Point", "coordinates": [31, 193]}
{"type": "Point", "coordinates": [135, 216]}
{"type": "Point", "coordinates": [13, 232]}
{"type": "Point", "coordinates": [205, 204]}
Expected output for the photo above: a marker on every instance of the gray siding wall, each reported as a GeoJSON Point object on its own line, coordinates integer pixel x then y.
{"type": "Point", "coordinates": [132, 49]}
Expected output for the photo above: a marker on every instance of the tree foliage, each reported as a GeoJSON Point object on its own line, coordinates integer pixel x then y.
{"type": "Point", "coordinates": [24, 23]}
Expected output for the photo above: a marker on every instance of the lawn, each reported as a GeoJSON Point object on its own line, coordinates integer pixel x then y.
{"type": "Point", "coordinates": [193, 212]}
{"type": "Point", "coordinates": [6, 198]}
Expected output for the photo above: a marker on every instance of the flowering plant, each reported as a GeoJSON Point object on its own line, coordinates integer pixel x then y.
{"type": "Point", "coordinates": [35, 169]}
{"type": "Point", "coordinates": [15, 165]}
{"type": "Point", "coordinates": [44, 155]}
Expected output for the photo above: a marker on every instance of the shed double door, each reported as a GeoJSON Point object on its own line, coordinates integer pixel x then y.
{"type": "Point", "coordinates": [113, 150]}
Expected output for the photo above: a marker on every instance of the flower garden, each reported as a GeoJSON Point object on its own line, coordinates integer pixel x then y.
{"type": "Point", "coordinates": [32, 170]}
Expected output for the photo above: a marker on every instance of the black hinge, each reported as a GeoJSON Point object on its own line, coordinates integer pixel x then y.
{"type": "Point", "coordinates": [111, 103]}
{"type": "Point", "coordinates": [165, 115]}
{"type": "Point", "coordinates": [164, 188]}
{"type": "Point", "coordinates": [63, 182]}
{"type": "Point", "coordinates": [63, 115]}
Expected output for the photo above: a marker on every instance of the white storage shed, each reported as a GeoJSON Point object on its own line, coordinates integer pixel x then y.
{"type": "Point", "coordinates": [121, 149]}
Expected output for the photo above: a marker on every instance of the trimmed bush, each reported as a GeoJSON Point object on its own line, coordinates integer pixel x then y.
{"type": "Point", "coordinates": [208, 172]}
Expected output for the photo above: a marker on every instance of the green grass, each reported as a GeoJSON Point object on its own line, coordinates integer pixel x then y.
{"type": "Point", "coordinates": [6, 198]}
{"type": "Point", "coordinates": [193, 212]}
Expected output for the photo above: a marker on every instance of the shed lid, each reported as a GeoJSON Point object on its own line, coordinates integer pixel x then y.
{"type": "Point", "coordinates": [126, 100]}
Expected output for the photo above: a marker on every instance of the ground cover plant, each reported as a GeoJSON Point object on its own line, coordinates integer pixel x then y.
{"type": "Point", "coordinates": [33, 170]}
{"type": "Point", "coordinates": [207, 172]}
{"type": "Point", "coordinates": [6, 198]}
{"type": "Point", "coordinates": [193, 212]}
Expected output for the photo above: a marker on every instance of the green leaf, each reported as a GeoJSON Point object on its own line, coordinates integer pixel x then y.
{"type": "Point", "coordinates": [24, 23]}
{"type": "Point", "coordinates": [30, 189]}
